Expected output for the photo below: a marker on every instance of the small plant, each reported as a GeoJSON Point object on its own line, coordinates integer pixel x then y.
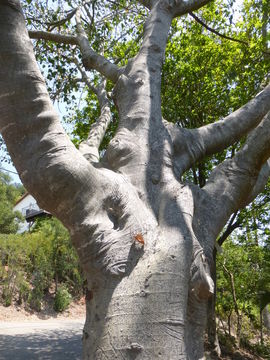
{"type": "Point", "coordinates": [35, 299]}
{"type": "Point", "coordinates": [7, 296]}
{"type": "Point", "coordinates": [24, 291]}
{"type": "Point", "coordinates": [62, 299]}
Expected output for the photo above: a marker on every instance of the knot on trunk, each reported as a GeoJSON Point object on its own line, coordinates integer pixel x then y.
{"type": "Point", "coordinates": [122, 149]}
{"type": "Point", "coordinates": [202, 285]}
{"type": "Point", "coordinates": [114, 238]}
{"type": "Point", "coordinates": [168, 4]}
{"type": "Point", "coordinates": [135, 347]}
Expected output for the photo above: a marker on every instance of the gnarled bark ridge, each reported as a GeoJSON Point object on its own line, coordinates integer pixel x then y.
{"type": "Point", "coordinates": [144, 238]}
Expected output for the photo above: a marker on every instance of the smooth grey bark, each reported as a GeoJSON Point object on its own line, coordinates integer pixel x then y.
{"type": "Point", "coordinates": [213, 138]}
{"type": "Point", "coordinates": [144, 238]}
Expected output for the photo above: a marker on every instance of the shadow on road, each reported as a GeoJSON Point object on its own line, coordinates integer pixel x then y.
{"type": "Point", "coordinates": [53, 345]}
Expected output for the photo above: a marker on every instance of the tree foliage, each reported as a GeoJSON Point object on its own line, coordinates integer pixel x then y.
{"type": "Point", "coordinates": [9, 194]}
{"type": "Point", "coordinates": [243, 289]}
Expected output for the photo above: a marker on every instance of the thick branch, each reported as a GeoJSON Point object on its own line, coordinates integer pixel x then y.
{"type": "Point", "coordinates": [142, 74]}
{"type": "Point", "coordinates": [93, 60]}
{"type": "Point", "coordinates": [137, 97]}
{"type": "Point", "coordinates": [217, 136]}
{"type": "Point", "coordinates": [233, 184]}
{"type": "Point", "coordinates": [97, 205]}
{"type": "Point", "coordinates": [256, 150]}
{"type": "Point", "coordinates": [260, 183]}
{"type": "Point", "coordinates": [180, 7]}
{"type": "Point", "coordinates": [236, 181]}
{"type": "Point", "coordinates": [221, 134]}
{"type": "Point", "coordinates": [229, 189]}
{"type": "Point", "coordinates": [258, 188]}
{"type": "Point", "coordinates": [155, 36]}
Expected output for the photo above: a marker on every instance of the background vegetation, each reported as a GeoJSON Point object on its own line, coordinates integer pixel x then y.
{"type": "Point", "coordinates": [38, 265]}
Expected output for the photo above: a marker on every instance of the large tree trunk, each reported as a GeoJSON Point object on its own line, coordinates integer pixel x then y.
{"type": "Point", "coordinates": [144, 238]}
{"type": "Point", "coordinates": [144, 315]}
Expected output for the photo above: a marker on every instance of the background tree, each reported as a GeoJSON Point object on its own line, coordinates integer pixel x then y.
{"type": "Point", "coordinates": [9, 194]}
{"type": "Point", "coordinates": [144, 237]}
{"type": "Point", "coordinates": [243, 287]}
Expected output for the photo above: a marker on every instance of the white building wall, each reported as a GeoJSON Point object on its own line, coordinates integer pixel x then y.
{"type": "Point", "coordinates": [27, 202]}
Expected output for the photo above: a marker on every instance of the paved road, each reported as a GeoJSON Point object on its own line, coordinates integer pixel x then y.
{"type": "Point", "coordinates": [41, 340]}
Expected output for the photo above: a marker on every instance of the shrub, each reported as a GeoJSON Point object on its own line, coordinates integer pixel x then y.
{"type": "Point", "coordinates": [7, 296]}
{"type": "Point", "coordinates": [35, 300]}
{"type": "Point", "coordinates": [32, 263]}
{"type": "Point", "coordinates": [24, 291]}
{"type": "Point", "coordinates": [62, 299]}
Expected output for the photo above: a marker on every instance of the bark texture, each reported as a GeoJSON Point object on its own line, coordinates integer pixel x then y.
{"type": "Point", "coordinates": [144, 238]}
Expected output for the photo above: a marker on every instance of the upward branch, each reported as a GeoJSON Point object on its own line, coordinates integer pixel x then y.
{"type": "Point", "coordinates": [221, 134]}
{"type": "Point", "coordinates": [89, 148]}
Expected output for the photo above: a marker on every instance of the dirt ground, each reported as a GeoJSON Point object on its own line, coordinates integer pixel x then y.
{"type": "Point", "coordinates": [14, 312]}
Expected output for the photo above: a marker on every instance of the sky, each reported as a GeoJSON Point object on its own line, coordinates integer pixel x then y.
{"type": "Point", "coordinates": [11, 171]}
